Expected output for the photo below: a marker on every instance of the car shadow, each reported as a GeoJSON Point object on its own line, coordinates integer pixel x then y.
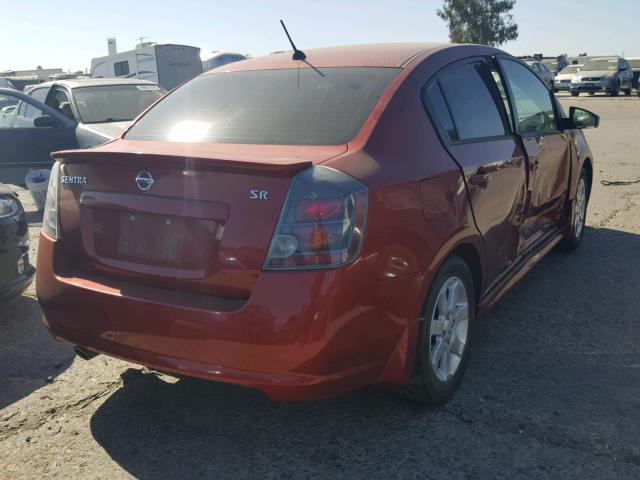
{"type": "Point", "coordinates": [29, 356]}
{"type": "Point", "coordinates": [542, 366]}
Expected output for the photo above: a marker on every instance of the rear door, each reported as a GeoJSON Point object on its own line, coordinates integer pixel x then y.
{"type": "Point", "coordinates": [29, 132]}
{"type": "Point", "coordinates": [468, 105]}
{"type": "Point", "coordinates": [547, 150]}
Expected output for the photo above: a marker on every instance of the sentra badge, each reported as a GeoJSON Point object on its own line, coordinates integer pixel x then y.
{"type": "Point", "coordinates": [73, 180]}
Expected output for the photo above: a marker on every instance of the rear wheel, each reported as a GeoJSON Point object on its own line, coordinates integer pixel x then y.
{"type": "Point", "coordinates": [627, 92]}
{"type": "Point", "coordinates": [616, 91]}
{"type": "Point", "coordinates": [578, 214]}
{"type": "Point", "coordinates": [443, 343]}
{"type": "Point", "coordinates": [575, 94]}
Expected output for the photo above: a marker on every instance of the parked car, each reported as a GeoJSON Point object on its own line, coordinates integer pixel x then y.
{"type": "Point", "coordinates": [562, 81]}
{"type": "Point", "coordinates": [542, 71]}
{"type": "Point", "coordinates": [16, 273]}
{"type": "Point", "coordinates": [101, 108]}
{"type": "Point", "coordinates": [78, 113]}
{"type": "Point", "coordinates": [310, 241]}
{"type": "Point", "coordinates": [634, 63]}
{"type": "Point", "coordinates": [610, 75]}
{"type": "Point", "coordinates": [29, 132]}
{"type": "Point", "coordinates": [555, 65]}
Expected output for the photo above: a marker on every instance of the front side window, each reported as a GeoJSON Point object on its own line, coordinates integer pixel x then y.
{"type": "Point", "coordinates": [302, 106]}
{"type": "Point", "coordinates": [532, 100]}
{"type": "Point", "coordinates": [8, 110]}
{"type": "Point", "coordinates": [469, 92]}
{"type": "Point", "coordinates": [18, 113]}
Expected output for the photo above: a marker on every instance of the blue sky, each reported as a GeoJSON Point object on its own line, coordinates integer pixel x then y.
{"type": "Point", "coordinates": [68, 34]}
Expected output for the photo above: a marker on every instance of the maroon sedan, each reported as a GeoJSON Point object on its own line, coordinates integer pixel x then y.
{"type": "Point", "coordinates": [306, 227]}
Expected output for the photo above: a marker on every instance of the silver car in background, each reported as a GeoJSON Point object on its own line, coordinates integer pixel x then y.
{"type": "Point", "coordinates": [610, 75]}
{"type": "Point", "coordinates": [562, 82]}
{"type": "Point", "coordinates": [542, 71]}
{"type": "Point", "coordinates": [101, 107]}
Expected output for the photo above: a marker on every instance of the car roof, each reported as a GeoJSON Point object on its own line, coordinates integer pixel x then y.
{"type": "Point", "coordinates": [390, 55]}
{"type": "Point", "coordinates": [94, 82]}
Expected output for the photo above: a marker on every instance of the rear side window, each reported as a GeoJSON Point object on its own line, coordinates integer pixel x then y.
{"type": "Point", "coordinates": [468, 92]}
{"type": "Point", "coordinates": [302, 106]}
{"type": "Point", "coordinates": [440, 109]}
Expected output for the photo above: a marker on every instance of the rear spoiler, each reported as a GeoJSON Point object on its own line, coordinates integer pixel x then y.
{"type": "Point", "coordinates": [272, 167]}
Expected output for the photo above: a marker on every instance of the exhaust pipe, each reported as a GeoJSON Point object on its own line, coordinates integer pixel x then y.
{"type": "Point", "coordinates": [83, 353]}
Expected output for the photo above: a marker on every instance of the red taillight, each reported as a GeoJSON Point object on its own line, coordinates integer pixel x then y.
{"type": "Point", "coordinates": [312, 210]}
{"type": "Point", "coordinates": [322, 222]}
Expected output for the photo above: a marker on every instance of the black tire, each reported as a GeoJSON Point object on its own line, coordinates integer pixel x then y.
{"type": "Point", "coordinates": [616, 92]}
{"type": "Point", "coordinates": [424, 386]}
{"type": "Point", "coordinates": [575, 94]}
{"type": "Point", "coordinates": [627, 92]}
{"type": "Point", "coordinates": [573, 237]}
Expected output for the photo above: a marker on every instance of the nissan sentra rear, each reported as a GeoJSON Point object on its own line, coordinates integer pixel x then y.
{"type": "Point", "coordinates": [211, 241]}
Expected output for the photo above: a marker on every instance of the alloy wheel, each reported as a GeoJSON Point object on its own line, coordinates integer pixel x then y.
{"type": "Point", "coordinates": [579, 208]}
{"type": "Point", "coordinates": [449, 329]}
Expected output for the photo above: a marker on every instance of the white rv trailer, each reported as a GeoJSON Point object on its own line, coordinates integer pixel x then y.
{"type": "Point", "coordinates": [217, 59]}
{"type": "Point", "coordinates": [168, 65]}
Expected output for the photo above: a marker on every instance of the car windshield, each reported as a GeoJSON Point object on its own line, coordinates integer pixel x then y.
{"type": "Point", "coordinates": [571, 69]}
{"type": "Point", "coordinates": [635, 63]}
{"type": "Point", "coordinates": [610, 64]}
{"type": "Point", "coordinates": [114, 103]}
{"type": "Point", "coordinates": [302, 106]}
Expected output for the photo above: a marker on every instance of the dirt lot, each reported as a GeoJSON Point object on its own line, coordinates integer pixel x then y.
{"type": "Point", "coordinates": [553, 389]}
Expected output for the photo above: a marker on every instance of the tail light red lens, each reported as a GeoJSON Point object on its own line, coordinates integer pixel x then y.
{"type": "Point", "coordinates": [322, 222]}
{"type": "Point", "coordinates": [50, 218]}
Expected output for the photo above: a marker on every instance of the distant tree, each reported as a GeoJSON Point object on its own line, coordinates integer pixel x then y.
{"type": "Point", "coordinates": [39, 67]}
{"type": "Point", "coordinates": [488, 22]}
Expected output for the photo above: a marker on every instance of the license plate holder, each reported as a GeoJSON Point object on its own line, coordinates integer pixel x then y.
{"type": "Point", "coordinates": [149, 236]}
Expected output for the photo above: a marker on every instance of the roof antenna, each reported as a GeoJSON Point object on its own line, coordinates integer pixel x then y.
{"type": "Point", "coordinates": [297, 54]}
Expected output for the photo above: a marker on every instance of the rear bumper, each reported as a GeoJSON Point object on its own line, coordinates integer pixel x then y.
{"type": "Point", "coordinates": [562, 86]}
{"type": "Point", "coordinates": [300, 335]}
{"type": "Point", "coordinates": [606, 87]}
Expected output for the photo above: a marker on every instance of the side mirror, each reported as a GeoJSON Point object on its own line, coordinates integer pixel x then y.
{"type": "Point", "coordinates": [579, 119]}
{"type": "Point", "coordinates": [45, 122]}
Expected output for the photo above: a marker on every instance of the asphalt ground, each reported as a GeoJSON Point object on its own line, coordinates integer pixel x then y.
{"type": "Point", "coordinates": [552, 391]}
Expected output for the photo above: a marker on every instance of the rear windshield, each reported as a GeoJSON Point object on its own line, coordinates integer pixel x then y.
{"type": "Point", "coordinates": [305, 106]}
{"type": "Point", "coordinates": [114, 103]}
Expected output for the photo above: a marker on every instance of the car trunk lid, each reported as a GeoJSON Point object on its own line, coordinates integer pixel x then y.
{"type": "Point", "coordinates": [191, 217]}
